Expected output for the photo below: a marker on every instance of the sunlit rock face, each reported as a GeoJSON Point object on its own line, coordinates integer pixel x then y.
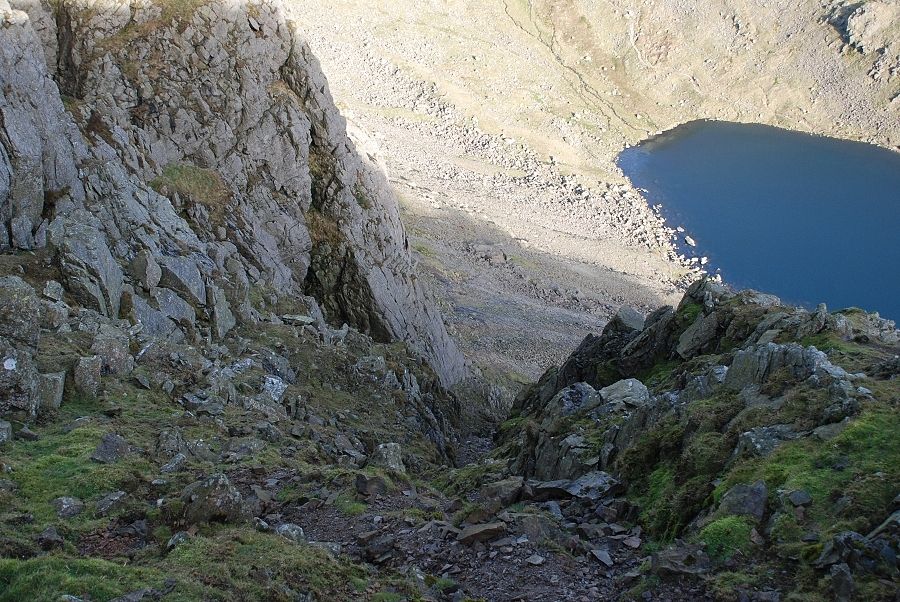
{"type": "Point", "coordinates": [204, 137]}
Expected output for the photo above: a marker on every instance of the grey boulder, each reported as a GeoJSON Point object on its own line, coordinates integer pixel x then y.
{"type": "Point", "coordinates": [213, 499]}
{"type": "Point", "coordinates": [389, 456]}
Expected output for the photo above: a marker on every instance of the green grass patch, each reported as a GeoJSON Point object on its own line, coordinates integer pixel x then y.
{"type": "Point", "coordinates": [441, 584]}
{"type": "Point", "coordinates": [424, 250]}
{"type": "Point", "coordinates": [48, 578]}
{"type": "Point", "coordinates": [59, 464]}
{"type": "Point", "coordinates": [860, 466]}
{"type": "Point", "coordinates": [687, 314]}
{"type": "Point", "coordinates": [349, 506]}
{"type": "Point", "coordinates": [660, 375]}
{"type": "Point", "coordinates": [228, 561]}
{"type": "Point", "coordinates": [726, 537]}
{"type": "Point", "coordinates": [203, 186]}
{"type": "Point", "coordinates": [726, 583]}
{"type": "Point", "coordinates": [468, 478]}
{"type": "Point", "coordinates": [714, 413]}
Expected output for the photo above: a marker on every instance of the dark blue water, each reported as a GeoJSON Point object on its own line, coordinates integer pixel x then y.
{"type": "Point", "coordinates": [809, 218]}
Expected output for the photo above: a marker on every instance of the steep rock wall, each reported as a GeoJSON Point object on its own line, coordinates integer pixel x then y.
{"type": "Point", "coordinates": [197, 140]}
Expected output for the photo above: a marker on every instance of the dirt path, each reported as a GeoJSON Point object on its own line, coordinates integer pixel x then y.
{"type": "Point", "coordinates": [536, 553]}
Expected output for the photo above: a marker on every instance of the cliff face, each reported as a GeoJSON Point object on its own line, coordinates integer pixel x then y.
{"type": "Point", "coordinates": [194, 149]}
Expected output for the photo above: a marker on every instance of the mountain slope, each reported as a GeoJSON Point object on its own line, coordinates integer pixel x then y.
{"type": "Point", "coordinates": [261, 189]}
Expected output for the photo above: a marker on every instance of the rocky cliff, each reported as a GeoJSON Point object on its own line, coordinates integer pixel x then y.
{"type": "Point", "coordinates": [738, 430]}
{"type": "Point", "coordinates": [209, 316]}
{"type": "Point", "coordinates": [178, 159]}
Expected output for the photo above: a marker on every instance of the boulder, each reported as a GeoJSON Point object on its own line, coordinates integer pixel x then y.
{"type": "Point", "coordinates": [745, 500]}
{"type": "Point", "coordinates": [563, 457]}
{"type": "Point", "coordinates": [481, 533]}
{"type": "Point", "coordinates": [53, 314]}
{"type": "Point", "coordinates": [591, 486]}
{"type": "Point", "coordinates": [174, 465]}
{"type": "Point", "coordinates": [153, 322]}
{"type": "Point", "coordinates": [181, 274]}
{"type": "Point", "coordinates": [799, 497]}
{"type": "Point", "coordinates": [680, 559]}
{"type": "Point", "coordinates": [626, 320]}
{"type": "Point", "coordinates": [171, 305]}
{"type": "Point", "coordinates": [274, 388]}
{"type": "Point", "coordinates": [18, 382]}
{"type": "Point", "coordinates": [213, 499]}
{"type": "Point", "coordinates": [871, 25]}
{"type": "Point", "coordinates": [50, 539]}
{"type": "Point", "coordinates": [110, 502]}
{"type": "Point", "coordinates": [92, 275]}
{"type": "Point", "coordinates": [50, 390]}
{"type": "Point", "coordinates": [111, 449]}
{"type": "Point", "coordinates": [171, 443]}
{"type": "Point", "coordinates": [26, 434]}
{"type": "Point", "coordinates": [700, 337]}
{"type": "Point", "coordinates": [603, 556]}
{"type": "Point", "coordinates": [68, 507]}
{"type": "Point", "coordinates": [298, 320]}
{"type": "Point", "coordinates": [380, 549]}
{"type": "Point", "coordinates": [177, 539]}
{"type": "Point", "coordinates": [291, 532]}
{"type": "Point", "coordinates": [223, 319]}
{"type": "Point", "coordinates": [366, 485]}
{"type": "Point", "coordinates": [762, 441]}
{"type": "Point", "coordinates": [594, 351]}
{"type": "Point", "coordinates": [842, 584]}
{"type": "Point", "coordinates": [20, 311]}
{"type": "Point", "coordinates": [6, 432]}
{"type": "Point", "coordinates": [653, 343]}
{"type": "Point", "coordinates": [145, 270]}
{"type": "Point", "coordinates": [575, 399]}
{"type": "Point", "coordinates": [111, 346]}
{"type": "Point", "coordinates": [53, 291]}
{"type": "Point", "coordinates": [629, 392]}
{"type": "Point", "coordinates": [277, 365]}
{"type": "Point", "coordinates": [389, 456]}
{"type": "Point", "coordinates": [873, 555]}
{"type": "Point", "coordinates": [754, 366]}
{"type": "Point", "coordinates": [502, 493]}
{"type": "Point", "coordinates": [86, 375]}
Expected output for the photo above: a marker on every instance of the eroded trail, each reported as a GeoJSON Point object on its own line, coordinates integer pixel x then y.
{"type": "Point", "coordinates": [561, 549]}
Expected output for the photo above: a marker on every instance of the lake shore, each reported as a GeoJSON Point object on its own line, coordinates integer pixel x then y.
{"type": "Point", "coordinates": [503, 146]}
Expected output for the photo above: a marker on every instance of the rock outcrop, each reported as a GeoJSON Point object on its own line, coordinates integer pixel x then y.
{"type": "Point", "coordinates": [701, 411]}
{"type": "Point", "coordinates": [185, 160]}
{"type": "Point", "coordinates": [873, 28]}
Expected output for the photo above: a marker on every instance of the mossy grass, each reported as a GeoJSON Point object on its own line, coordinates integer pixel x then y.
{"type": "Point", "coordinates": [441, 584]}
{"type": "Point", "coordinates": [859, 468]}
{"type": "Point", "coordinates": [388, 597]}
{"type": "Point", "coordinates": [226, 560]}
{"type": "Point", "coordinates": [48, 578]}
{"type": "Point", "coordinates": [349, 506]}
{"type": "Point", "coordinates": [688, 313]}
{"type": "Point", "coordinates": [469, 478]}
{"type": "Point", "coordinates": [197, 184]}
{"type": "Point", "coordinates": [58, 464]}
{"type": "Point", "coordinates": [726, 537]}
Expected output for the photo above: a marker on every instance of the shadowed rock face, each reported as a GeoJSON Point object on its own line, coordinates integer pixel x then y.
{"type": "Point", "coordinates": [206, 140]}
